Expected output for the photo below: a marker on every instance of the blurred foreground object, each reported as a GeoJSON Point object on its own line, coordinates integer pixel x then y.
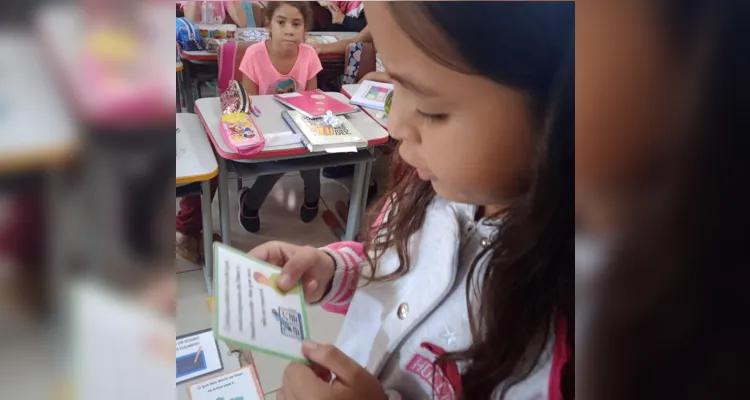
{"type": "Point", "coordinates": [86, 195]}
{"type": "Point", "coordinates": [138, 343]}
{"type": "Point", "coordinates": [662, 146]}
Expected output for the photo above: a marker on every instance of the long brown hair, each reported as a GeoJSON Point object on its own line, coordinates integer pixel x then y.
{"type": "Point", "coordinates": [528, 279]}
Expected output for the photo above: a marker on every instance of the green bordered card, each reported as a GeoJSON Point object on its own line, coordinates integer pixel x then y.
{"type": "Point", "coordinates": [251, 312]}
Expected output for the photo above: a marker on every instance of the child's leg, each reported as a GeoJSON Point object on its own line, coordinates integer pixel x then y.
{"type": "Point", "coordinates": [251, 199]}
{"type": "Point", "coordinates": [309, 208]}
{"type": "Point", "coordinates": [189, 223]}
{"type": "Point", "coordinates": [311, 178]}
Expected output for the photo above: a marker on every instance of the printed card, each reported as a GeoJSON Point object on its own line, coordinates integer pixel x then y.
{"type": "Point", "coordinates": [197, 355]}
{"type": "Point", "coordinates": [251, 312]}
{"type": "Point", "coordinates": [241, 384]}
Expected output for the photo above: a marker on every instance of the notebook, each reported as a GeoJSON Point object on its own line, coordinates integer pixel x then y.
{"type": "Point", "coordinates": [372, 94]}
{"type": "Point", "coordinates": [317, 135]}
{"type": "Point", "coordinates": [314, 103]}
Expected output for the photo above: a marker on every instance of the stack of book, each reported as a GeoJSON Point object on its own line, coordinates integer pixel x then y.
{"type": "Point", "coordinates": [317, 134]}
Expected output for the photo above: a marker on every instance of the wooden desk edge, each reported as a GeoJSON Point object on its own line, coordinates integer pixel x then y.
{"type": "Point", "coordinates": [197, 178]}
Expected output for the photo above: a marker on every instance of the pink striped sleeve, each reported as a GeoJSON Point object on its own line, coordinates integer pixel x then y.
{"type": "Point", "coordinates": [349, 257]}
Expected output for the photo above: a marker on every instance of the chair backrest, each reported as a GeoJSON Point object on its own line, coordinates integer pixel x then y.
{"type": "Point", "coordinates": [367, 60]}
{"type": "Point", "coordinates": [229, 58]}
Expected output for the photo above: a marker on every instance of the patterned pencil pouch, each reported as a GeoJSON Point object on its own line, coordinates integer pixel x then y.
{"type": "Point", "coordinates": [237, 125]}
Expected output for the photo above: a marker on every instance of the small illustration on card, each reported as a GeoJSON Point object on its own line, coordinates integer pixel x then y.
{"type": "Point", "coordinates": [251, 311]}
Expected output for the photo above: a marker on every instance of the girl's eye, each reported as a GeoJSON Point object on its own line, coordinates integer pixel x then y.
{"type": "Point", "coordinates": [432, 118]}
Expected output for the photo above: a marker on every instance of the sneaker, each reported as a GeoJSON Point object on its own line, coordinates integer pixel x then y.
{"type": "Point", "coordinates": [338, 172]}
{"type": "Point", "coordinates": [249, 221]}
{"type": "Point", "coordinates": [191, 249]}
{"type": "Point", "coordinates": [308, 212]}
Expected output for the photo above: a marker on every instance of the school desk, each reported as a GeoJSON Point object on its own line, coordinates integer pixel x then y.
{"type": "Point", "coordinates": [179, 84]}
{"type": "Point", "coordinates": [36, 130]}
{"type": "Point", "coordinates": [349, 90]}
{"type": "Point", "coordinates": [288, 157]}
{"type": "Point", "coordinates": [196, 163]}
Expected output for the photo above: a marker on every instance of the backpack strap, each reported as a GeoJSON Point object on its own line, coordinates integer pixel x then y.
{"type": "Point", "coordinates": [226, 60]}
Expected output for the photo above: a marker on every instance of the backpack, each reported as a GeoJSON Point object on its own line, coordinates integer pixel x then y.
{"type": "Point", "coordinates": [188, 36]}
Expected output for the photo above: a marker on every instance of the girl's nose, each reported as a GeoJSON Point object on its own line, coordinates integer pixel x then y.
{"type": "Point", "coordinates": [400, 126]}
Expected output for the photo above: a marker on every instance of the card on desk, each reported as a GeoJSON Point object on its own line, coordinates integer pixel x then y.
{"type": "Point", "coordinates": [241, 384]}
{"type": "Point", "coordinates": [251, 312]}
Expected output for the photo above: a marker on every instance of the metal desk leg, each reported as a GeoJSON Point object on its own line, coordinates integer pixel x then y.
{"type": "Point", "coordinates": [208, 235]}
{"type": "Point", "coordinates": [366, 187]}
{"type": "Point", "coordinates": [179, 102]}
{"type": "Point", "coordinates": [187, 86]}
{"type": "Point", "coordinates": [224, 200]}
{"type": "Point", "coordinates": [357, 201]}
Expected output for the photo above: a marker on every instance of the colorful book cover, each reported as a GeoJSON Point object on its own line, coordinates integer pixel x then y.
{"type": "Point", "coordinates": [321, 133]}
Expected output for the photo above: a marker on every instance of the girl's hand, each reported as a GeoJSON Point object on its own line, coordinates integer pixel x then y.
{"type": "Point", "coordinates": [302, 382]}
{"type": "Point", "coordinates": [313, 266]}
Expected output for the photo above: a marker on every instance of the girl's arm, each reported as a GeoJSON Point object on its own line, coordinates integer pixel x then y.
{"type": "Point", "coordinates": [340, 46]}
{"type": "Point", "coordinates": [192, 10]}
{"type": "Point", "coordinates": [312, 84]}
{"type": "Point", "coordinates": [250, 86]}
{"type": "Point", "coordinates": [237, 13]}
{"type": "Point", "coordinates": [349, 258]}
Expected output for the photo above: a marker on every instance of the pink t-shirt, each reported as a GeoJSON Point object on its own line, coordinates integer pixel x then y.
{"type": "Point", "coordinates": [257, 66]}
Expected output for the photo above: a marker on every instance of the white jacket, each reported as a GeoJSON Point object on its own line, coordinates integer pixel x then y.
{"type": "Point", "coordinates": [396, 329]}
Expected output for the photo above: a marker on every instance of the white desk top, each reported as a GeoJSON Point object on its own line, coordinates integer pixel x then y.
{"type": "Point", "coordinates": [195, 157]}
{"type": "Point", "coordinates": [209, 109]}
{"type": "Point", "coordinates": [146, 94]}
{"type": "Point", "coordinates": [36, 129]}
{"type": "Point", "coordinates": [349, 90]}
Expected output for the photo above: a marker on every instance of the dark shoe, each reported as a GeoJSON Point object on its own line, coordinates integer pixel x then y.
{"type": "Point", "coordinates": [308, 212]}
{"type": "Point", "coordinates": [249, 220]}
{"type": "Point", "coordinates": [338, 172]}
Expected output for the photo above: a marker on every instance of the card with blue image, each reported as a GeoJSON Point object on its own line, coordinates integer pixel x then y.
{"type": "Point", "coordinates": [251, 312]}
{"type": "Point", "coordinates": [197, 354]}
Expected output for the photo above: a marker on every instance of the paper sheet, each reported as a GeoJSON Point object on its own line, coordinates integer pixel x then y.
{"type": "Point", "coordinates": [241, 384]}
{"type": "Point", "coordinates": [281, 138]}
{"type": "Point", "coordinates": [351, 149]}
{"type": "Point", "coordinates": [197, 355]}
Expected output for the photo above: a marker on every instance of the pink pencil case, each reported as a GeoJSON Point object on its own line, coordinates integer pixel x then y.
{"type": "Point", "coordinates": [240, 132]}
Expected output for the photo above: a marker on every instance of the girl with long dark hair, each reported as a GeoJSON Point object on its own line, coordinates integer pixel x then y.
{"type": "Point", "coordinates": [467, 273]}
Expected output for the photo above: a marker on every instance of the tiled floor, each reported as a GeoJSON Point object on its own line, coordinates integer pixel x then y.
{"type": "Point", "coordinates": [279, 220]}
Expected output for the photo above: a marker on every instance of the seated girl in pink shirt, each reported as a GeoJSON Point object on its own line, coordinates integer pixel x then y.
{"type": "Point", "coordinates": [281, 64]}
